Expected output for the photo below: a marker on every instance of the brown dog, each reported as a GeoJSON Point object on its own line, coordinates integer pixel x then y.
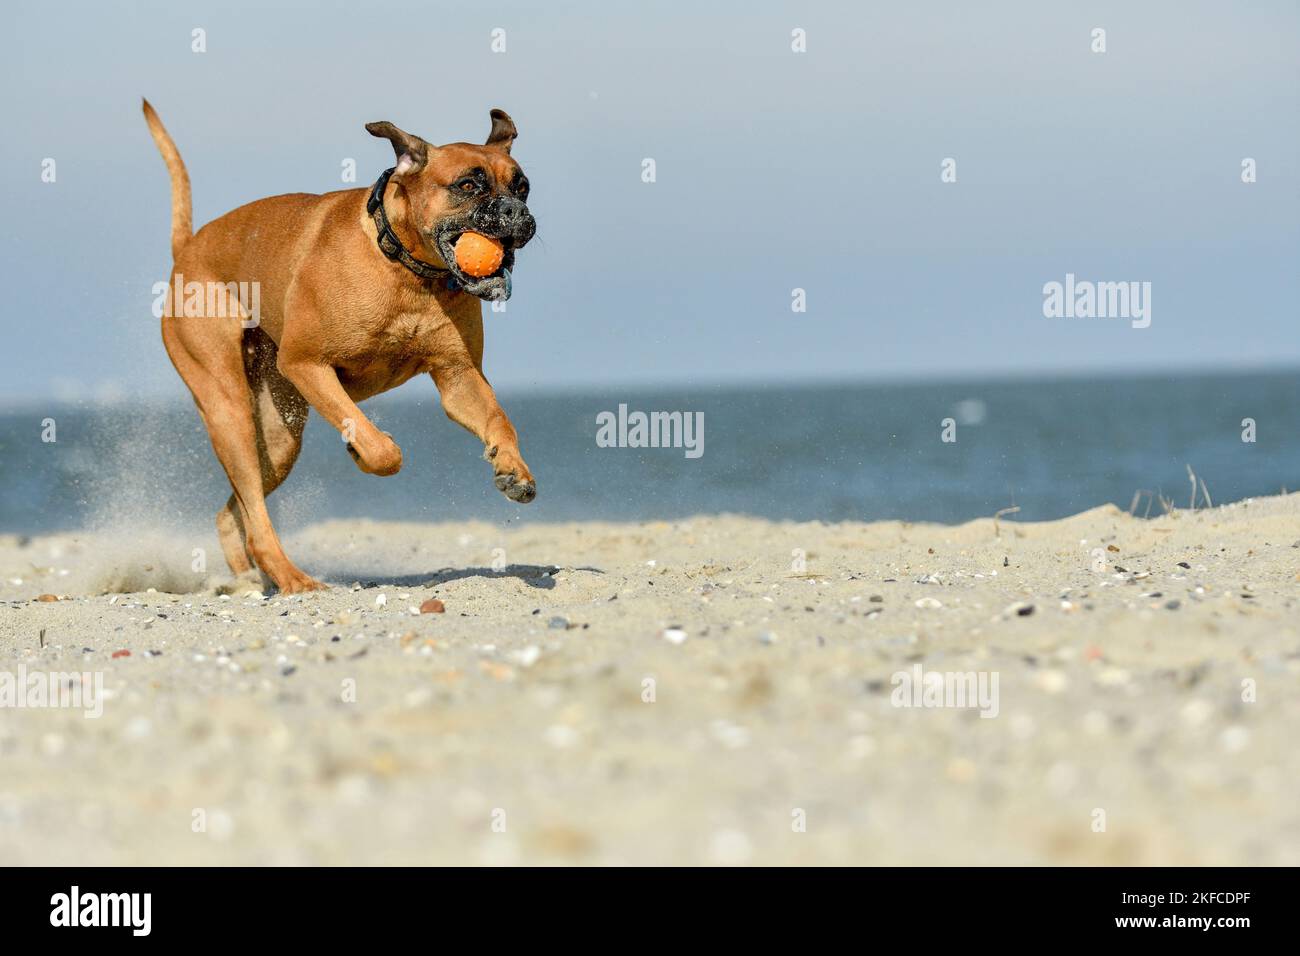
{"type": "Point", "coordinates": [357, 291]}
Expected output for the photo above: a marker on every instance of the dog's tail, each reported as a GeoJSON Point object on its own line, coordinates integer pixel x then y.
{"type": "Point", "coordinates": [182, 217]}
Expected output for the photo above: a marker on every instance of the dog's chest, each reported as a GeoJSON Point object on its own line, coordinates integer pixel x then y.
{"type": "Point", "coordinates": [407, 334]}
{"type": "Point", "coordinates": [391, 352]}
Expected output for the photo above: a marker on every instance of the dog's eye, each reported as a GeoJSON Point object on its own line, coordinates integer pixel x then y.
{"type": "Point", "coordinates": [467, 186]}
{"type": "Point", "coordinates": [521, 190]}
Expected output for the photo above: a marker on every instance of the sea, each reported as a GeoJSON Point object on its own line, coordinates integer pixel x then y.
{"type": "Point", "coordinates": [920, 451]}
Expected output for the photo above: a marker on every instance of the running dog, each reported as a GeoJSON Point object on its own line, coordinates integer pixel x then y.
{"type": "Point", "coordinates": [358, 291]}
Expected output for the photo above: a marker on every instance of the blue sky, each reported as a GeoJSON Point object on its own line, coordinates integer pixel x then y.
{"type": "Point", "coordinates": [775, 171]}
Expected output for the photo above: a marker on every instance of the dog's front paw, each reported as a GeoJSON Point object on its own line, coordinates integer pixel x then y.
{"type": "Point", "coordinates": [512, 477]}
{"type": "Point", "coordinates": [381, 456]}
{"type": "Point", "coordinates": [516, 489]}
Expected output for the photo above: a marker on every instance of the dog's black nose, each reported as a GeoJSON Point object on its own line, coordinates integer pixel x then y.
{"type": "Point", "coordinates": [506, 216]}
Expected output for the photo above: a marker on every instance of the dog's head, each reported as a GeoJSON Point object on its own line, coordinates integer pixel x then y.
{"type": "Point", "coordinates": [460, 187]}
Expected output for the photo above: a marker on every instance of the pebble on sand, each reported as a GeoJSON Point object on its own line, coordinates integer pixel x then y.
{"type": "Point", "coordinates": [1196, 712]}
{"type": "Point", "coordinates": [432, 606]}
{"type": "Point", "coordinates": [497, 671]}
{"type": "Point", "coordinates": [1234, 739]}
{"type": "Point", "coordinates": [1113, 677]}
{"type": "Point", "coordinates": [525, 656]}
{"type": "Point", "coordinates": [561, 737]}
{"type": "Point", "coordinates": [1018, 609]}
{"type": "Point", "coordinates": [1051, 681]}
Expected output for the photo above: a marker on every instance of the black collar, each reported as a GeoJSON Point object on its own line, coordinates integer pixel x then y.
{"type": "Point", "coordinates": [388, 242]}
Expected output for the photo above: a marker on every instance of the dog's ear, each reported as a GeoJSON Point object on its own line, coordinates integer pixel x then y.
{"type": "Point", "coordinates": [503, 131]}
{"type": "Point", "coordinates": [411, 151]}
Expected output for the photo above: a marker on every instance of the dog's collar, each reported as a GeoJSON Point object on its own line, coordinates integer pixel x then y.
{"type": "Point", "coordinates": [388, 242]}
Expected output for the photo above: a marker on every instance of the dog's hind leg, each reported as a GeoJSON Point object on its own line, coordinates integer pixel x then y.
{"type": "Point", "coordinates": [280, 415]}
{"type": "Point", "coordinates": [234, 544]}
{"type": "Point", "coordinates": [234, 433]}
{"type": "Point", "coordinates": [209, 354]}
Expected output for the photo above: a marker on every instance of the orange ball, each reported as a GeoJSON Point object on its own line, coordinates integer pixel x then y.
{"type": "Point", "coordinates": [478, 255]}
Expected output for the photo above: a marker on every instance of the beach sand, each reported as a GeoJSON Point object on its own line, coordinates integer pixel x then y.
{"type": "Point", "coordinates": [719, 690]}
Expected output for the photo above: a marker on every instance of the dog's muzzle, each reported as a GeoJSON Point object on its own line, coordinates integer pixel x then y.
{"type": "Point", "coordinates": [506, 219]}
{"type": "Point", "coordinates": [501, 217]}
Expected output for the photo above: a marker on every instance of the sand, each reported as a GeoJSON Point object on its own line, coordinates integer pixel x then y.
{"type": "Point", "coordinates": [720, 690]}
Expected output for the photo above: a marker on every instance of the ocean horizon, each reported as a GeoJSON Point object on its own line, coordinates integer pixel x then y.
{"type": "Point", "coordinates": [917, 451]}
